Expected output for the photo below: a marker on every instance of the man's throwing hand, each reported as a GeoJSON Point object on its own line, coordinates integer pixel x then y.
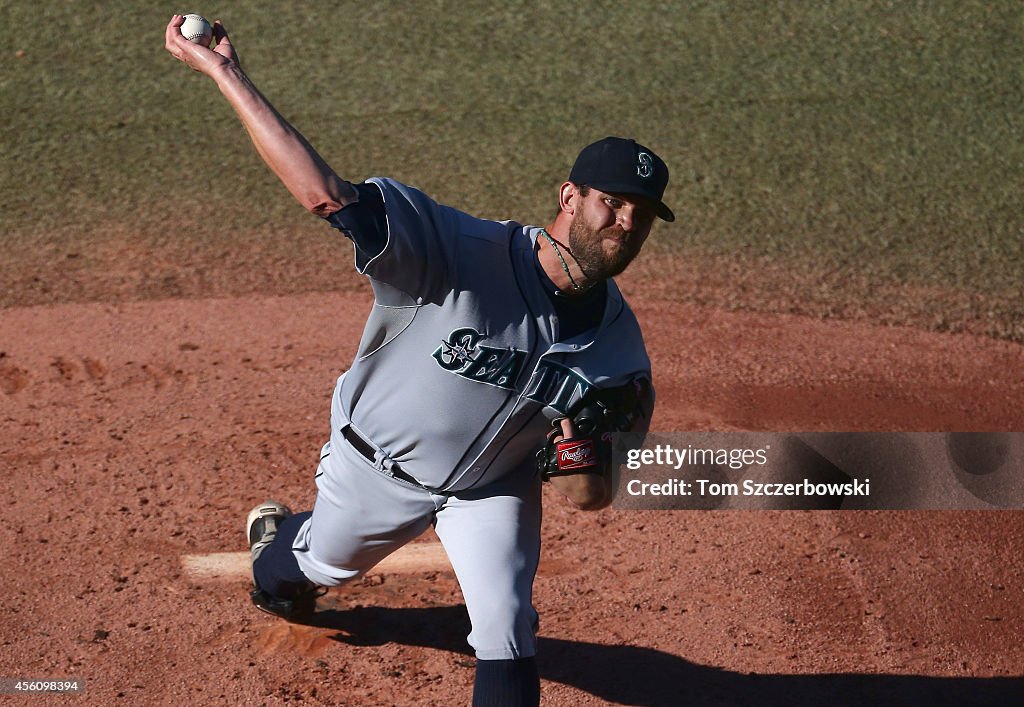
{"type": "Point", "coordinates": [198, 57]}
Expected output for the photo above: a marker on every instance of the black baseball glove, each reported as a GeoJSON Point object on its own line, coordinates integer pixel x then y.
{"type": "Point", "coordinates": [599, 414]}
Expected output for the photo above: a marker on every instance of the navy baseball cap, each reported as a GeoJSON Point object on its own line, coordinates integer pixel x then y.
{"type": "Point", "coordinates": [617, 164]}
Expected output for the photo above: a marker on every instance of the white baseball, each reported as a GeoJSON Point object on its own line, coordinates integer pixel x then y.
{"type": "Point", "coordinates": [197, 29]}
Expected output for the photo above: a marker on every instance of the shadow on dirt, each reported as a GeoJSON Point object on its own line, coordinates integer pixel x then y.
{"type": "Point", "coordinates": [636, 675]}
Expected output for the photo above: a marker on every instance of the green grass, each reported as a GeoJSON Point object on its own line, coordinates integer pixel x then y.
{"type": "Point", "coordinates": [861, 147]}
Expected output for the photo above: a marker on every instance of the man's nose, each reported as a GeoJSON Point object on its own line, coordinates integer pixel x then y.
{"type": "Point", "coordinates": [625, 218]}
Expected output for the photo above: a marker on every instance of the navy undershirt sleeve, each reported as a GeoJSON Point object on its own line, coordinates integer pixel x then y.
{"type": "Point", "coordinates": [364, 222]}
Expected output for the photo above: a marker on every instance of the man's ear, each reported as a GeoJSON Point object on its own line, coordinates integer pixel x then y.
{"type": "Point", "coordinates": [568, 198]}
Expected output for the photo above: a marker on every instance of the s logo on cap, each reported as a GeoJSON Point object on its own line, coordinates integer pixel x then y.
{"type": "Point", "coordinates": [644, 166]}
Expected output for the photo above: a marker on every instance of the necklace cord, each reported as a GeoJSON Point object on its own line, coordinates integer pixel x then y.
{"type": "Point", "coordinates": [565, 267]}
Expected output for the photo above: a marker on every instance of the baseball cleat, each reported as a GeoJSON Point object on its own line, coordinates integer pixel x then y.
{"type": "Point", "coordinates": [261, 529]}
{"type": "Point", "coordinates": [261, 526]}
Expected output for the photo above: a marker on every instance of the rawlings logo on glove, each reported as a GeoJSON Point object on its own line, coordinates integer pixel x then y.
{"type": "Point", "coordinates": [575, 454]}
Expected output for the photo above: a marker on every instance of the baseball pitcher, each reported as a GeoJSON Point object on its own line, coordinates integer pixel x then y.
{"type": "Point", "coordinates": [497, 357]}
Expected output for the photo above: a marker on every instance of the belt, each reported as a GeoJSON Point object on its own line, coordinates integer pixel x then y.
{"type": "Point", "coordinates": [366, 449]}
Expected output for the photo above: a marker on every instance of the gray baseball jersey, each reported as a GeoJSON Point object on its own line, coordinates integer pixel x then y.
{"type": "Point", "coordinates": [460, 370]}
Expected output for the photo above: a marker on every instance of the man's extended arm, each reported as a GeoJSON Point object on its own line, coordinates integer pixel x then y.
{"type": "Point", "coordinates": [299, 167]}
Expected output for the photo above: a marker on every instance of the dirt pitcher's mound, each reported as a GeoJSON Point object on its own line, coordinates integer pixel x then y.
{"type": "Point", "coordinates": [137, 434]}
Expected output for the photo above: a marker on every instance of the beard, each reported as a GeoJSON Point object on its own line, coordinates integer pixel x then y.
{"type": "Point", "coordinates": [600, 259]}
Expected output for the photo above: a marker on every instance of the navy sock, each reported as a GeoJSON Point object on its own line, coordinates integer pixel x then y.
{"type": "Point", "coordinates": [277, 571]}
{"type": "Point", "coordinates": [506, 683]}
